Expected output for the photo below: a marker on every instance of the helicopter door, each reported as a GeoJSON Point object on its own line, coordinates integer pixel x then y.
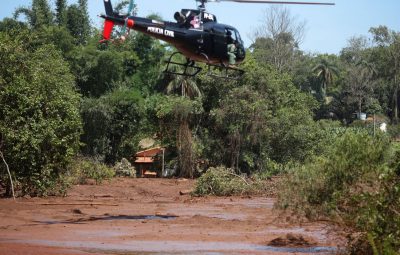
{"type": "Point", "coordinates": [219, 41]}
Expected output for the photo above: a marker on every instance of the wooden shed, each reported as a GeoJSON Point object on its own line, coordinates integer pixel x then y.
{"type": "Point", "coordinates": [150, 162]}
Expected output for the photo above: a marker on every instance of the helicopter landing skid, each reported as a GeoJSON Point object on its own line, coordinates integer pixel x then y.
{"type": "Point", "coordinates": [224, 72]}
{"type": "Point", "coordinates": [189, 68]}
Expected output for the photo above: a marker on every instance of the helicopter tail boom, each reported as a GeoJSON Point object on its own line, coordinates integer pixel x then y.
{"type": "Point", "coordinates": [112, 19]}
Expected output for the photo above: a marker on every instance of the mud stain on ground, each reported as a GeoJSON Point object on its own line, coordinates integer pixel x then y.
{"type": "Point", "coordinates": [149, 216]}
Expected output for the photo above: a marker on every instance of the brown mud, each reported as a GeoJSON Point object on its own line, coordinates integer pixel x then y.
{"type": "Point", "coordinates": [149, 216]}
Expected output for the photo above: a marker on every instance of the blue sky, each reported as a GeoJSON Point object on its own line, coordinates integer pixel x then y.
{"type": "Point", "coordinates": [328, 27]}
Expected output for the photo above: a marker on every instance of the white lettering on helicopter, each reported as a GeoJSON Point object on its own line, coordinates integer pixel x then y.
{"type": "Point", "coordinates": [160, 31]}
{"type": "Point", "coordinates": [208, 16]}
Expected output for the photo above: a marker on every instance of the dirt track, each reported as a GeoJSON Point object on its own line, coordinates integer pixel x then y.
{"type": "Point", "coordinates": [149, 216]}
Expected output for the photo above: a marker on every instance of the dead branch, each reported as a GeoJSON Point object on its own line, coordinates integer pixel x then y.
{"type": "Point", "coordinates": [240, 177]}
{"type": "Point", "coordinates": [9, 173]}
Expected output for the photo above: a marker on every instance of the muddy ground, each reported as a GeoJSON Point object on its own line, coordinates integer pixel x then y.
{"type": "Point", "coordinates": [149, 216]}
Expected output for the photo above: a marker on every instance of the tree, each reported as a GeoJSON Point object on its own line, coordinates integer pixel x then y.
{"type": "Point", "coordinates": [61, 12]}
{"type": "Point", "coordinates": [78, 22]}
{"type": "Point", "coordinates": [359, 85]}
{"type": "Point", "coordinates": [325, 71]}
{"type": "Point", "coordinates": [85, 21]}
{"type": "Point", "coordinates": [356, 50]}
{"type": "Point", "coordinates": [97, 72]}
{"type": "Point", "coordinates": [277, 40]}
{"type": "Point", "coordinates": [187, 86]}
{"type": "Point", "coordinates": [38, 15]}
{"type": "Point", "coordinates": [40, 124]}
{"type": "Point", "coordinates": [242, 118]}
{"type": "Point", "coordinates": [112, 122]}
{"type": "Point", "coordinates": [389, 41]}
{"type": "Point", "coordinates": [176, 114]}
{"type": "Point", "coordinates": [184, 142]}
{"type": "Point", "coordinates": [11, 26]}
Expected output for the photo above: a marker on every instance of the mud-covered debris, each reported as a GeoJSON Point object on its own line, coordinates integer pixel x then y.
{"type": "Point", "coordinates": [292, 240]}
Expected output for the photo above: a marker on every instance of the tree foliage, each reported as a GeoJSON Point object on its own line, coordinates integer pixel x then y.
{"type": "Point", "coordinates": [40, 124]}
{"type": "Point", "coordinates": [63, 94]}
{"type": "Point", "coordinates": [38, 15]}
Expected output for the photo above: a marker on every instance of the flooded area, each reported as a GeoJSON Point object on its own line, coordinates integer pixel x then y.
{"type": "Point", "coordinates": [149, 216]}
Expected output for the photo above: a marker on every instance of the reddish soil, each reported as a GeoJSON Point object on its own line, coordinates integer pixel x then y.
{"type": "Point", "coordinates": [149, 216]}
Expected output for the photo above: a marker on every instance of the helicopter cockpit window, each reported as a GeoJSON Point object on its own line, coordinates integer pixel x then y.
{"type": "Point", "coordinates": [230, 36]}
{"type": "Point", "coordinates": [238, 38]}
{"type": "Point", "coordinates": [195, 23]}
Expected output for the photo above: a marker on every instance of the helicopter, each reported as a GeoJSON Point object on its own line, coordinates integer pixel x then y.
{"type": "Point", "coordinates": [196, 34]}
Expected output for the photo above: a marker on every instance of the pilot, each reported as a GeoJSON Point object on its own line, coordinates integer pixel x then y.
{"type": "Point", "coordinates": [231, 49]}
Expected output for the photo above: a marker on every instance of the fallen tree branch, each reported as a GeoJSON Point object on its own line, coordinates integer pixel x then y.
{"type": "Point", "coordinates": [239, 177]}
{"type": "Point", "coordinates": [9, 173]}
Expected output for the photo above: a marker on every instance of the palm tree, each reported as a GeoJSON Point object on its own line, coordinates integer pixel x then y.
{"type": "Point", "coordinates": [367, 68]}
{"type": "Point", "coordinates": [325, 71]}
{"type": "Point", "coordinates": [186, 84]}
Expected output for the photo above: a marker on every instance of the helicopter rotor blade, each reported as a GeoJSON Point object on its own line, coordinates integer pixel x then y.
{"type": "Point", "coordinates": [272, 2]}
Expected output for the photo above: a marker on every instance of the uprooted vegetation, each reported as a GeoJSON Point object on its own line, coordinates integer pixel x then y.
{"type": "Point", "coordinates": [222, 181]}
{"type": "Point", "coordinates": [355, 183]}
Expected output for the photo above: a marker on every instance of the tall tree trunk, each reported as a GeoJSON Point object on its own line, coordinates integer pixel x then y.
{"type": "Point", "coordinates": [396, 106]}
{"type": "Point", "coordinates": [185, 150]}
{"type": "Point", "coordinates": [396, 101]}
{"type": "Point", "coordinates": [9, 173]}
{"type": "Point", "coordinates": [396, 91]}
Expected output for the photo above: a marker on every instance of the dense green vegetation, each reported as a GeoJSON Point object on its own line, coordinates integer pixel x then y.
{"type": "Point", "coordinates": [355, 182]}
{"type": "Point", "coordinates": [71, 108]}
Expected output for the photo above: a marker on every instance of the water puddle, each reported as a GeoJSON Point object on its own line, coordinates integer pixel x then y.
{"type": "Point", "coordinates": [178, 247]}
{"type": "Point", "coordinates": [136, 217]}
{"type": "Point", "coordinates": [108, 218]}
{"type": "Point", "coordinates": [299, 250]}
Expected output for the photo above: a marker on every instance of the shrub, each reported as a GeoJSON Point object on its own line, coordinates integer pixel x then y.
{"type": "Point", "coordinates": [83, 169]}
{"type": "Point", "coordinates": [394, 131]}
{"type": "Point", "coordinates": [353, 184]}
{"type": "Point", "coordinates": [125, 169]}
{"type": "Point", "coordinates": [221, 181]}
{"type": "Point", "coordinates": [354, 158]}
{"type": "Point", "coordinates": [40, 124]}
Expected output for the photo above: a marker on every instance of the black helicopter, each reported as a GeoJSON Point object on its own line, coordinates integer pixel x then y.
{"type": "Point", "coordinates": [196, 34]}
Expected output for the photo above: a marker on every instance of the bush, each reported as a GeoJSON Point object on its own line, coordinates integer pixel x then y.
{"type": "Point", "coordinates": [83, 169]}
{"type": "Point", "coordinates": [125, 169]}
{"type": "Point", "coordinates": [394, 131]}
{"type": "Point", "coordinates": [353, 184]}
{"type": "Point", "coordinates": [40, 124]}
{"type": "Point", "coordinates": [221, 181]}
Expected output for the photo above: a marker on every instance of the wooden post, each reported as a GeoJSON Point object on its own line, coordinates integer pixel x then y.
{"type": "Point", "coordinates": [163, 163]}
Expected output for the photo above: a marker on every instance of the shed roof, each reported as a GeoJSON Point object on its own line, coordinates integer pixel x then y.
{"type": "Point", "coordinates": [149, 152]}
